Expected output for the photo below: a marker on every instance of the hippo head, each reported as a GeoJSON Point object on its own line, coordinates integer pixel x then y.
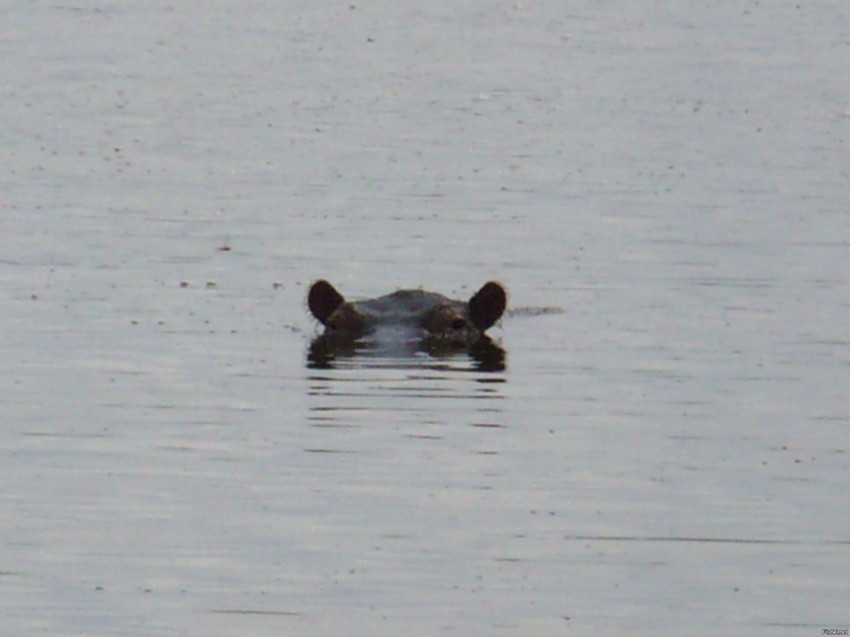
{"type": "Point", "coordinates": [437, 317]}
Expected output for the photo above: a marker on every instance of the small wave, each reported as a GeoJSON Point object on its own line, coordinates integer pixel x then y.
{"type": "Point", "coordinates": [534, 311]}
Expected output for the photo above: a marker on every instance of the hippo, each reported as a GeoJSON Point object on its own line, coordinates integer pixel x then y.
{"type": "Point", "coordinates": [430, 321]}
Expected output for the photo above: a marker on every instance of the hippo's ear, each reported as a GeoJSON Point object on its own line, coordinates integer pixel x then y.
{"type": "Point", "coordinates": [323, 300]}
{"type": "Point", "coordinates": [487, 305]}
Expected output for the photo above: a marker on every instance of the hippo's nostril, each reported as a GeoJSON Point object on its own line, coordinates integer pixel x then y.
{"type": "Point", "coordinates": [458, 324]}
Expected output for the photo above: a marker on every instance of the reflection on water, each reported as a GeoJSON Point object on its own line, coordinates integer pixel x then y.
{"type": "Point", "coordinates": [327, 352]}
{"type": "Point", "coordinates": [410, 385]}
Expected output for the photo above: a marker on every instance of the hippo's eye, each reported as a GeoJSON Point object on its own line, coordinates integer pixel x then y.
{"type": "Point", "coordinates": [458, 324]}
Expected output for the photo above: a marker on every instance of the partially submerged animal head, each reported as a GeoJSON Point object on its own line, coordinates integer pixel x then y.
{"type": "Point", "coordinates": [435, 317]}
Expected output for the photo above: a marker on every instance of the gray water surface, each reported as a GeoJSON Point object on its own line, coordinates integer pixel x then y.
{"type": "Point", "coordinates": [663, 191]}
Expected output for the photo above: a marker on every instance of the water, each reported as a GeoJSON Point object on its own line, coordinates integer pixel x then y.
{"type": "Point", "coordinates": [661, 190]}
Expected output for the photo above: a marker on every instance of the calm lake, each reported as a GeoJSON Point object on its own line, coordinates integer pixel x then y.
{"type": "Point", "coordinates": [664, 448]}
